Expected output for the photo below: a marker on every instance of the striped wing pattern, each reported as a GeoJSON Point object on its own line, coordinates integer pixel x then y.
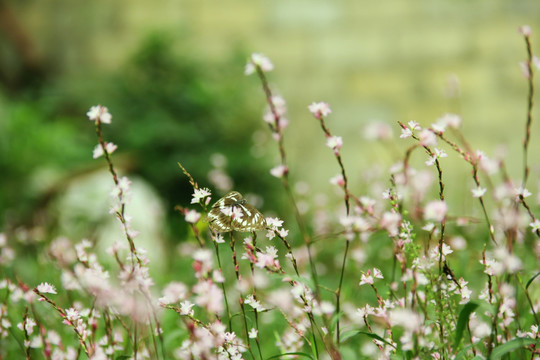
{"type": "Point", "coordinates": [232, 212]}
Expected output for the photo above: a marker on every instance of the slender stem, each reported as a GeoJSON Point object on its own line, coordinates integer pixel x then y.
{"type": "Point", "coordinates": [529, 112]}
{"type": "Point", "coordinates": [229, 316]}
{"type": "Point", "coordinates": [338, 292]}
{"type": "Point", "coordinates": [255, 312]}
{"type": "Point", "coordinates": [240, 300]}
{"type": "Point", "coordinates": [276, 128]}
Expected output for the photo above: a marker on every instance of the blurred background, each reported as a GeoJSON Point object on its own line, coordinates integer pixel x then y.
{"type": "Point", "coordinates": [171, 74]}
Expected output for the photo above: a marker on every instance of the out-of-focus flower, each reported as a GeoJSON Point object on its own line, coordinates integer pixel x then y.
{"type": "Point", "coordinates": [478, 192]}
{"type": "Point", "coordinates": [258, 60]}
{"type": "Point", "coordinates": [437, 154]}
{"type": "Point", "coordinates": [72, 315]}
{"type": "Point", "coordinates": [192, 216]}
{"type": "Point", "coordinates": [524, 66]}
{"type": "Point", "coordinates": [435, 210]}
{"type": "Point", "coordinates": [525, 30]}
{"type": "Point", "coordinates": [320, 109]}
{"type": "Point", "coordinates": [253, 333]}
{"type": "Point", "coordinates": [376, 130]}
{"type": "Point", "coordinates": [334, 142]}
{"type": "Point", "coordinates": [46, 288]}
{"type": "Point", "coordinates": [279, 171]}
{"type": "Point", "coordinates": [535, 225]}
{"type": "Point", "coordinates": [337, 180]}
{"type": "Point", "coordinates": [98, 150]}
{"type": "Point", "coordinates": [405, 133]}
{"type": "Point", "coordinates": [447, 120]}
{"type": "Point", "coordinates": [99, 114]}
{"type": "Point", "coordinates": [186, 308]}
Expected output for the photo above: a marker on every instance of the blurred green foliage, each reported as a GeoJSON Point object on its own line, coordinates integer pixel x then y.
{"type": "Point", "coordinates": [167, 108]}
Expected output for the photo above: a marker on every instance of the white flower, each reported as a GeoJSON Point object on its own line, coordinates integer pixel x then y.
{"type": "Point", "coordinates": [377, 273]}
{"type": "Point", "coordinates": [320, 109]}
{"type": "Point", "coordinates": [405, 133]}
{"type": "Point", "coordinates": [192, 216]}
{"type": "Point", "coordinates": [200, 194]}
{"type": "Point", "coordinates": [279, 171]}
{"type": "Point", "coordinates": [334, 142]}
{"type": "Point", "coordinates": [186, 308]}
{"type": "Point", "coordinates": [535, 225]}
{"type": "Point", "coordinates": [478, 192]}
{"type": "Point", "coordinates": [413, 125]}
{"type": "Point", "coordinates": [254, 303]}
{"type": "Point", "coordinates": [72, 314]}
{"type": "Point", "coordinates": [98, 150]}
{"type": "Point", "coordinates": [437, 154]}
{"type": "Point", "coordinates": [522, 192]}
{"type": "Point", "coordinates": [46, 288]}
{"type": "Point", "coordinates": [258, 60]}
{"type": "Point", "coordinates": [253, 333]}
{"type": "Point", "coordinates": [99, 114]}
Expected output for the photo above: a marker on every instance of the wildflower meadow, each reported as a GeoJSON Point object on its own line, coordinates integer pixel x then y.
{"type": "Point", "coordinates": [385, 270]}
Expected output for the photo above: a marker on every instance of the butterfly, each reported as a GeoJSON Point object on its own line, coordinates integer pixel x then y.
{"type": "Point", "coordinates": [232, 212]}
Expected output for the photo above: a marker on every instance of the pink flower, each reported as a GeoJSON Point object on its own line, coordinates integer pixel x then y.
{"type": "Point", "coordinates": [371, 276]}
{"type": "Point", "coordinates": [435, 210]}
{"type": "Point", "coordinates": [337, 180]}
{"type": "Point", "coordinates": [427, 138]}
{"type": "Point", "coordinates": [366, 279]}
{"type": "Point", "coordinates": [46, 288]}
{"type": "Point", "coordinates": [320, 109]}
{"type": "Point", "coordinates": [258, 60]}
{"type": "Point", "coordinates": [99, 114]}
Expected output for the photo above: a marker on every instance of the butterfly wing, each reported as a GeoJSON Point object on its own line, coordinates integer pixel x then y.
{"type": "Point", "coordinates": [219, 218]}
{"type": "Point", "coordinates": [232, 212]}
{"type": "Point", "coordinates": [251, 219]}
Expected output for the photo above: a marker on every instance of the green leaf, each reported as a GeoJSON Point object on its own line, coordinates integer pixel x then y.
{"type": "Point", "coordinates": [463, 320]}
{"type": "Point", "coordinates": [460, 355]}
{"type": "Point", "coordinates": [123, 357]}
{"type": "Point", "coordinates": [511, 345]}
{"type": "Point", "coordinates": [531, 280]}
{"type": "Point", "coordinates": [349, 334]}
{"type": "Point", "coordinates": [308, 356]}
